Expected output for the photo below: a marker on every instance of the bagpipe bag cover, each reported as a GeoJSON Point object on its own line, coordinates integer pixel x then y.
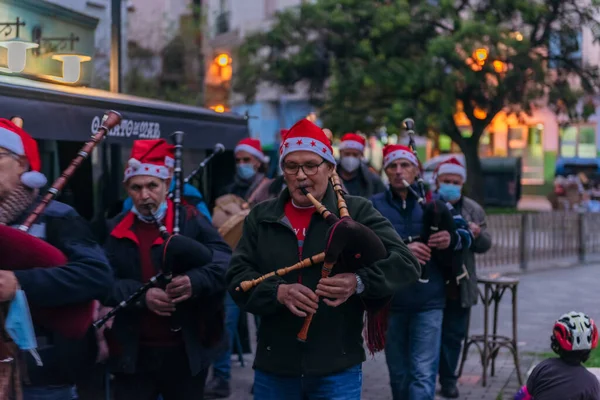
{"type": "Point", "coordinates": [24, 251]}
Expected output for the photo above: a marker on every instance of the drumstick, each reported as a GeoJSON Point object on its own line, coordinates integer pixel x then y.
{"type": "Point", "coordinates": [307, 262]}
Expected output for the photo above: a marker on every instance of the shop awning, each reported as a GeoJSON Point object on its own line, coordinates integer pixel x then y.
{"type": "Point", "coordinates": [67, 113]}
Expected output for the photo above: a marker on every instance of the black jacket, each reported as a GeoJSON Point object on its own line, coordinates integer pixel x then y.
{"type": "Point", "coordinates": [201, 317]}
{"type": "Point", "coordinates": [364, 184]}
{"type": "Point", "coordinates": [84, 278]}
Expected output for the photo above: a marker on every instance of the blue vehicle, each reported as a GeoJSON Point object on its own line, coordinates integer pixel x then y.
{"type": "Point", "coordinates": [566, 166]}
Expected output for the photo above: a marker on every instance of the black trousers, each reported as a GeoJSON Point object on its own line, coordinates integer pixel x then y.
{"type": "Point", "coordinates": [454, 330]}
{"type": "Point", "coordinates": [160, 371]}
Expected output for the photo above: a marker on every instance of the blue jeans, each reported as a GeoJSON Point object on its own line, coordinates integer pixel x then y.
{"type": "Point", "coordinates": [58, 392]}
{"type": "Point", "coordinates": [346, 385]}
{"type": "Point", "coordinates": [454, 330]}
{"type": "Point", "coordinates": [222, 365]}
{"type": "Point", "coordinates": [412, 353]}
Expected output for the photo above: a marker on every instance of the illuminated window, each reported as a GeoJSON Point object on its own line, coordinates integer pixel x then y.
{"type": "Point", "coordinates": [578, 141]}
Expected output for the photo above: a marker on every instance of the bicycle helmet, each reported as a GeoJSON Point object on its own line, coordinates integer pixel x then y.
{"type": "Point", "coordinates": [574, 331]}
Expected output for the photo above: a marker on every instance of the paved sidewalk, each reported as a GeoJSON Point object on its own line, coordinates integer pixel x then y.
{"type": "Point", "coordinates": [542, 297]}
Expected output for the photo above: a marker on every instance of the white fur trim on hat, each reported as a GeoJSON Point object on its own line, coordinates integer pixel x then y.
{"type": "Point", "coordinates": [453, 169]}
{"type": "Point", "coordinates": [169, 162]}
{"type": "Point", "coordinates": [11, 141]}
{"type": "Point", "coordinates": [398, 155]}
{"type": "Point", "coordinates": [136, 168]}
{"type": "Point", "coordinates": [249, 149]}
{"type": "Point", "coordinates": [33, 179]}
{"type": "Point", "coordinates": [305, 144]}
{"type": "Point", "coordinates": [351, 145]}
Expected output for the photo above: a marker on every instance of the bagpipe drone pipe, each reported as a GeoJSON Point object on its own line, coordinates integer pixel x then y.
{"type": "Point", "coordinates": [350, 246]}
{"type": "Point", "coordinates": [437, 217]}
{"type": "Point", "coordinates": [179, 252]}
{"type": "Point", "coordinates": [27, 251]}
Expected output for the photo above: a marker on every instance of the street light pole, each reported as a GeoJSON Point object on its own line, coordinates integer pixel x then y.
{"type": "Point", "coordinates": [111, 154]}
{"type": "Point", "coordinates": [115, 47]}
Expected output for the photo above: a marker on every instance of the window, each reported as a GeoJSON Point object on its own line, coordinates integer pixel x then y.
{"type": "Point", "coordinates": [527, 142]}
{"type": "Point", "coordinates": [578, 141]}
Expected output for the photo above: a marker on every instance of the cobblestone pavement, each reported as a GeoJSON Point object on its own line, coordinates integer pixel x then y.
{"type": "Point", "coordinates": [542, 297]}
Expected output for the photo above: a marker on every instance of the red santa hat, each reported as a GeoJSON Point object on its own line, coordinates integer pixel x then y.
{"type": "Point", "coordinates": [393, 152]}
{"type": "Point", "coordinates": [16, 140]}
{"type": "Point", "coordinates": [253, 147]}
{"type": "Point", "coordinates": [353, 141]}
{"type": "Point", "coordinates": [151, 158]}
{"type": "Point", "coordinates": [451, 166]}
{"type": "Point", "coordinates": [306, 136]}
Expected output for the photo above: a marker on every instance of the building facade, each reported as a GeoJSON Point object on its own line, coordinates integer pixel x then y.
{"type": "Point", "coordinates": [229, 21]}
{"type": "Point", "coordinates": [101, 10]}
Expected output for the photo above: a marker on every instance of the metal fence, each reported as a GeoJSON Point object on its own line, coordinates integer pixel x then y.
{"type": "Point", "coordinates": [540, 240]}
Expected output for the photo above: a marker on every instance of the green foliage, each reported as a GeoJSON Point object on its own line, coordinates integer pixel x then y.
{"type": "Point", "coordinates": [373, 63]}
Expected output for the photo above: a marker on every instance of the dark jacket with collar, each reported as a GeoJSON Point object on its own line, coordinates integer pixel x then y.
{"type": "Point", "coordinates": [201, 317]}
{"type": "Point", "coordinates": [335, 340]}
{"type": "Point", "coordinates": [85, 277]}
{"type": "Point", "coordinates": [407, 219]}
{"type": "Point", "coordinates": [364, 183]}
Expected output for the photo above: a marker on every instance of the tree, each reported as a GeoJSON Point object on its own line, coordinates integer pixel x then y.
{"type": "Point", "coordinates": [373, 63]}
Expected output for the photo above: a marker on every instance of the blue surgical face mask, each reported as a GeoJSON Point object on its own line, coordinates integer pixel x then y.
{"type": "Point", "coordinates": [449, 191]}
{"type": "Point", "coordinates": [160, 213]}
{"type": "Point", "coordinates": [245, 171]}
{"type": "Point", "coordinates": [20, 327]}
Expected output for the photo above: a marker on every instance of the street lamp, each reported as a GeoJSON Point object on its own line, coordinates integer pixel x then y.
{"type": "Point", "coordinates": [17, 48]}
{"type": "Point", "coordinates": [71, 66]}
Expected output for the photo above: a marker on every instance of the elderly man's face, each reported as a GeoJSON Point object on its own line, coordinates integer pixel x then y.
{"type": "Point", "coordinates": [243, 157]}
{"type": "Point", "coordinates": [351, 153]}
{"type": "Point", "coordinates": [313, 175]}
{"type": "Point", "coordinates": [401, 170]}
{"type": "Point", "coordinates": [451, 179]}
{"type": "Point", "coordinates": [11, 168]}
{"type": "Point", "coordinates": [147, 191]}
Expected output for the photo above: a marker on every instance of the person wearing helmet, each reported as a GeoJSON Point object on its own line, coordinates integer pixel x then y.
{"type": "Point", "coordinates": [573, 337]}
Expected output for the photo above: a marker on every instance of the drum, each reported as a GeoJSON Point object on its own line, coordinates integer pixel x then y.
{"type": "Point", "coordinates": [226, 206]}
{"type": "Point", "coordinates": [232, 229]}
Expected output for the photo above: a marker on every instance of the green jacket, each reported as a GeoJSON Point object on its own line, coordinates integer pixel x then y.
{"type": "Point", "coordinates": [335, 340]}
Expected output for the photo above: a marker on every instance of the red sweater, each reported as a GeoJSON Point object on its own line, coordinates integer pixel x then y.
{"type": "Point", "coordinates": [155, 330]}
{"type": "Point", "coordinates": [299, 219]}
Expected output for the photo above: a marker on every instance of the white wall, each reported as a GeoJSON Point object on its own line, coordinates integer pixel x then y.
{"type": "Point", "coordinates": [155, 22]}
{"type": "Point", "coordinates": [246, 15]}
{"type": "Point", "coordinates": [101, 9]}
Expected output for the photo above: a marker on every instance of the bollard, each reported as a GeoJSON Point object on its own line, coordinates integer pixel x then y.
{"type": "Point", "coordinates": [581, 236]}
{"type": "Point", "coordinates": [524, 240]}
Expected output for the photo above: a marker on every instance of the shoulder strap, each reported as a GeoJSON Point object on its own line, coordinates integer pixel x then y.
{"type": "Point", "coordinates": [264, 181]}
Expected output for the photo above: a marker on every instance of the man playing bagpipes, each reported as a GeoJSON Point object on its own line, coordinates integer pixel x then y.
{"type": "Point", "coordinates": [365, 256]}
{"type": "Point", "coordinates": [62, 354]}
{"type": "Point", "coordinates": [413, 339]}
{"type": "Point", "coordinates": [450, 177]}
{"type": "Point", "coordinates": [163, 343]}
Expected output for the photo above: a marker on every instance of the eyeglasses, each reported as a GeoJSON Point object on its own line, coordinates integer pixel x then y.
{"type": "Point", "coordinates": [309, 169]}
{"type": "Point", "coordinates": [7, 154]}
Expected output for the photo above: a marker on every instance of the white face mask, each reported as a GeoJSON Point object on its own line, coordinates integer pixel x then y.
{"type": "Point", "coordinates": [350, 164]}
